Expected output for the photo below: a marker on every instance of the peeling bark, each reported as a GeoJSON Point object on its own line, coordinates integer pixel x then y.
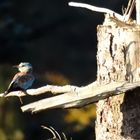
{"type": "Point", "coordinates": [118, 59]}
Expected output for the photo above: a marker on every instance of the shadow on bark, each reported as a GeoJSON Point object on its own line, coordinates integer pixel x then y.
{"type": "Point", "coordinates": [131, 114]}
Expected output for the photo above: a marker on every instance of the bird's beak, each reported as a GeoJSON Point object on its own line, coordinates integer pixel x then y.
{"type": "Point", "coordinates": [16, 66]}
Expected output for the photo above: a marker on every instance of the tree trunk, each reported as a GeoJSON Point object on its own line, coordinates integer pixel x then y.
{"type": "Point", "coordinates": [118, 59]}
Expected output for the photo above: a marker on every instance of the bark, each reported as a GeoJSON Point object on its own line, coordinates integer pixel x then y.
{"type": "Point", "coordinates": [118, 117]}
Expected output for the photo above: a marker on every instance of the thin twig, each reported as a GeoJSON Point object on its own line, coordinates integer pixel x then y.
{"type": "Point", "coordinates": [96, 9]}
{"type": "Point", "coordinates": [56, 135]}
{"type": "Point", "coordinates": [64, 136]}
{"type": "Point", "coordinates": [129, 10]}
{"type": "Point", "coordinates": [50, 129]}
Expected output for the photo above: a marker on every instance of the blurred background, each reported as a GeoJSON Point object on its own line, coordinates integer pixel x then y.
{"type": "Point", "coordinates": [60, 42]}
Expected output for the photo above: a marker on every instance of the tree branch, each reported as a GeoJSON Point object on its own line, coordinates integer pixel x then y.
{"type": "Point", "coordinates": [80, 96]}
{"type": "Point", "coordinates": [129, 9]}
{"type": "Point", "coordinates": [97, 9]}
{"type": "Point", "coordinates": [73, 96]}
{"type": "Point", "coordinates": [56, 135]}
{"type": "Point", "coordinates": [48, 88]}
{"type": "Point", "coordinates": [138, 11]}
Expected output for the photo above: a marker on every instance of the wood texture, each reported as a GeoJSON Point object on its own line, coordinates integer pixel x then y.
{"type": "Point", "coordinates": [118, 60]}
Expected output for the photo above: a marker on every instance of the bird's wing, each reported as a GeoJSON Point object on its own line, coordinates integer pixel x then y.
{"type": "Point", "coordinates": [20, 81]}
{"type": "Point", "coordinates": [25, 81]}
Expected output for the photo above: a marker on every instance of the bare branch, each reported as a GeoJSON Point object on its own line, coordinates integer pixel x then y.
{"type": "Point", "coordinates": [129, 9]}
{"type": "Point", "coordinates": [96, 9]}
{"type": "Point", "coordinates": [56, 135]}
{"type": "Point", "coordinates": [48, 88]}
{"type": "Point", "coordinates": [52, 132]}
{"type": "Point", "coordinates": [138, 11]}
{"type": "Point", "coordinates": [81, 96]}
{"type": "Point", "coordinates": [73, 96]}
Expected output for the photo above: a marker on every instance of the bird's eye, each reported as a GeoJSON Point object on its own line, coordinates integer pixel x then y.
{"type": "Point", "coordinates": [22, 65]}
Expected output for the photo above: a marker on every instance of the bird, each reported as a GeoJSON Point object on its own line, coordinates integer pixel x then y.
{"type": "Point", "coordinates": [22, 80]}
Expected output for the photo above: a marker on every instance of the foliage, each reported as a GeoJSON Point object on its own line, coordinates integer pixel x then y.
{"type": "Point", "coordinates": [82, 117]}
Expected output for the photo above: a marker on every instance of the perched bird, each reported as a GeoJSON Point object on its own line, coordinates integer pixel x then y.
{"type": "Point", "coordinates": [23, 79]}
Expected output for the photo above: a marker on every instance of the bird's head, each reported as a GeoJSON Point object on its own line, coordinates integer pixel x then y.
{"type": "Point", "coordinates": [24, 67]}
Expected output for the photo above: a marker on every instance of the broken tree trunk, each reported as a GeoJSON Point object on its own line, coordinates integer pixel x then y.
{"type": "Point", "coordinates": [118, 59]}
{"type": "Point", "coordinates": [118, 116]}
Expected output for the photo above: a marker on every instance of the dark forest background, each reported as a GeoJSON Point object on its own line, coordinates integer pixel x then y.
{"type": "Point", "coordinates": [60, 42]}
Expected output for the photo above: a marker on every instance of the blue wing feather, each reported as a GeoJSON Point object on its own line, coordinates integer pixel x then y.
{"type": "Point", "coordinates": [21, 81]}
